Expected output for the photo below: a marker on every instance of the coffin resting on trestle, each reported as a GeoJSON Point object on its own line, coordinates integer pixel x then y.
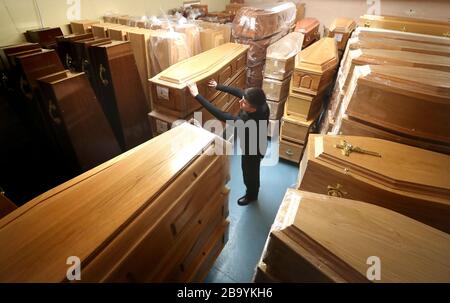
{"type": "Point", "coordinates": [154, 214]}
{"type": "Point", "coordinates": [316, 238]}
{"type": "Point", "coordinates": [396, 98]}
{"type": "Point", "coordinates": [409, 180]}
{"type": "Point", "coordinates": [169, 88]}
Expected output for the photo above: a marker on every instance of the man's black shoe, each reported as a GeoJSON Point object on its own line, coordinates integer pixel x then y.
{"type": "Point", "coordinates": [244, 201]}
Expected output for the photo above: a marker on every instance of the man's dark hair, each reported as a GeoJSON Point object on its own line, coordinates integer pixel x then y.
{"type": "Point", "coordinates": [255, 96]}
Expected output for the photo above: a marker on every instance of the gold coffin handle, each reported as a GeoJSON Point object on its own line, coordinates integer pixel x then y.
{"type": "Point", "coordinates": [336, 191]}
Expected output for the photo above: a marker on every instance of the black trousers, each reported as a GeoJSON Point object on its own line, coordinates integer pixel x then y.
{"type": "Point", "coordinates": [251, 166]}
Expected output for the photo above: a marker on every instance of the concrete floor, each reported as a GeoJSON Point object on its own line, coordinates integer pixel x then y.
{"type": "Point", "coordinates": [250, 225]}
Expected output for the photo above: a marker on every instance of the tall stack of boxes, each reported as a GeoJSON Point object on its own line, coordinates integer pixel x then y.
{"type": "Point", "coordinates": [313, 74]}
{"type": "Point", "coordinates": [280, 64]}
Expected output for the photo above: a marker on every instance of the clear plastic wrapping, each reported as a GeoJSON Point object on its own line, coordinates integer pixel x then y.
{"type": "Point", "coordinates": [263, 21]}
{"type": "Point", "coordinates": [280, 61]}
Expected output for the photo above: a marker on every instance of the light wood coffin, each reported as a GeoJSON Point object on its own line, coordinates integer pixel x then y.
{"type": "Point", "coordinates": [82, 26]}
{"type": "Point", "coordinates": [315, 67]}
{"type": "Point", "coordinates": [169, 88]}
{"type": "Point", "coordinates": [397, 98]}
{"type": "Point", "coordinates": [101, 30]}
{"type": "Point", "coordinates": [77, 120]}
{"type": "Point", "coordinates": [404, 24]}
{"type": "Point", "coordinates": [280, 59]}
{"type": "Point", "coordinates": [154, 214]}
{"type": "Point", "coordinates": [319, 239]}
{"type": "Point", "coordinates": [294, 130]}
{"type": "Point", "coordinates": [304, 107]}
{"type": "Point", "coordinates": [290, 151]}
{"type": "Point", "coordinates": [405, 179]}
{"type": "Point", "coordinates": [341, 30]}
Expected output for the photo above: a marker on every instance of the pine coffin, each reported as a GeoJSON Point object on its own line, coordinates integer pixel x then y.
{"type": "Point", "coordinates": [291, 151]}
{"type": "Point", "coordinates": [152, 214]}
{"type": "Point", "coordinates": [121, 93]}
{"type": "Point", "coordinates": [223, 64]}
{"type": "Point", "coordinates": [304, 107]}
{"type": "Point", "coordinates": [409, 180]}
{"type": "Point", "coordinates": [320, 239]}
{"type": "Point", "coordinates": [82, 26]}
{"type": "Point", "coordinates": [77, 120]}
{"type": "Point", "coordinates": [295, 130]}
{"type": "Point", "coordinates": [316, 67]}
{"type": "Point", "coordinates": [396, 98]}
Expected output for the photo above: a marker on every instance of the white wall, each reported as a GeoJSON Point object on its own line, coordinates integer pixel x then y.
{"type": "Point", "coordinates": [17, 16]}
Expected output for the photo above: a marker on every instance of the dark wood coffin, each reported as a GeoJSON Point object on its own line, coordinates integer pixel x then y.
{"type": "Point", "coordinates": [66, 50]}
{"type": "Point", "coordinates": [121, 93]}
{"type": "Point", "coordinates": [46, 37]}
{"type": "Point", "coordinates": [412, 181]}
{"type": "Point", "coordinates": [77, 120]}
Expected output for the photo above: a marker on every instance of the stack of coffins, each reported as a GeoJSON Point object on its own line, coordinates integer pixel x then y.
{"type": "Point", "coordinates": [66, 49]}
{"type": "Point", "coordinates": [405, 24]}
{"type": "Point", "coordinates": [280, 64]}
{"type": "Point", "coordinates": [226, 64]}
{"type": "Point", "coordinates": [46, 37]}
{"type": "Point", "coordinates": [213, 34]}
{"type": "Point", "coordinates": [82, 26]}
{"type": "Point", "coordinates": [154, 214]}
{"type": "Point", "coordinates": [309, 27]}
{"type": "Point", "coordinates": [259, 27]}
{"type": "Point", "coordinates": [314, 72]}
{"type": "Point", "coordinates": [341, 30]}
{"type": "Point", "coordinates": [412, 181]}
{"type": "Point", "coordinates": [322, 239]}
{"type": "Point", "coordinates": [121, 93]}
{"type": "Point", "coordinates": [100, 30]}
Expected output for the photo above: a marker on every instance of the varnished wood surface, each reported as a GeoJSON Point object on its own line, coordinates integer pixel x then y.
{"type": "Point", "coordinates": [80, 217]}
{"type": "Point", "coordinates": [319, 57]}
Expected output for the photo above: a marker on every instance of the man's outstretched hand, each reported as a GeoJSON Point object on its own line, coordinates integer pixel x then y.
{"type": "Point", "coordinates": [193, 89]}
{"type": "Point", "coordinates": [212, 83]}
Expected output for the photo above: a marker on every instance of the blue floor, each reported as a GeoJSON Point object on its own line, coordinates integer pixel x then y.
{"type": "Point", "coordinates": [250, 225]}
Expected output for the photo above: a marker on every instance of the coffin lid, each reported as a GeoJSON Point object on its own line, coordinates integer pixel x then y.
{"type": "Point", "coordinates": [307, 25]}
{"type": "Point", "coordinates": [319, 57]}
{"type": "Point", "coordinates": [333, 231]}
{"type": "Point", "coordinates": [411, 78]}
{"type": "Point", "coordinates": [293, 120]}
{"type": "Point", "coordinates": [404, 19]}
{"type": "Point", "coordinates": [287, 47]}
{"type": "Point", "coordinates": [400, 167]}
{"type": "Point", "coordinates": [199, 67]}
{"type": "Point", "coordinates": [392, 56]}
{"type": "Point", "coordinates": [79, 218]}
{"type": "Point", "coordinates": [343, 25]}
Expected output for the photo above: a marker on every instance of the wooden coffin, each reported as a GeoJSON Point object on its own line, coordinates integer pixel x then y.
{"type": "Point", "coordinates": [154, 214]}
{"type": "Point", "coordinates": [316, 67]}
{"type": "Point", "coordinates": [121, 93]}
{"type": "Point", "coordinates": [323, 239]}
{"type": "Point", "coordinates": [225, 28]}
{"type": "Point", "coordinates": [81, 62]}
{"type": "Point", "coordinates": [211, 38]}
{"type": "Point", "coordinates": [192, 37]}
{"type": "Point", "coordinates": [396, 98]}
{"type": "Point", "coordinates": [100, 30]}
{"type": "Point", "coordinates": [223, 63]}
{"type": "Point", "coordinates": [6, 51]}
{"type": "Point", "coordinates": [404, 24]}
{"type": "Point", "coordinates": [309, 27]}
{"type": "Point", "coordinates": [280, 58]}
{"type": "Point", "coordinates": [82, 26]}
{"type": "Point", "coordinates": [405, 179]}
{"type": "Point", "coordinates": [260, 23]}
{"type": "Point", "coordinates": [304, 107]}
{"type": "Point", "coordinates": [290, 151]}
{"type": "Point", "coordinates": [119, 33]}
{"type": "Point", "coordinates": [46, 37]}
{"type": "Point", "coordinates": [6, 206]}
{"type": "Point", "coordinates": [168, 48]}
{"type": "Point", "coordinates": [276, 109]}
{"type": "Point", "coordinates": [66, 49]}
{"type": "Point", "coordinates": [363, 32]}
{"type": "Point", "coordinates": [296, 131]}
{"type": "Point", "coordinates": [400, 45]}
{"type": "Point", "coordinates": [341, 30]}
{"type": "Point", "coordinates": [276, 90]}
{"type": "Point", "coordinates": [351, 127]}
{"type": "Point", "coordinates": [113, 18]}
{"type": "Point", "coordinates": [140, 43]}
{"type": "Point", "coordinates": [77, 120]}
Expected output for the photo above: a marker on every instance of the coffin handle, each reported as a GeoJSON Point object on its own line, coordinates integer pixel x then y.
{"type": "Point", "coordinates": [102, 70]}
{"type": "Point", "coordinates": [290, 153]}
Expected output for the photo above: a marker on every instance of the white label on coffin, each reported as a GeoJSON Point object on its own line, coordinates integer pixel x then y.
{"type": "Point", "coordinates": [338, 37]}
{"type": "Point", "coordinates": [161, 126]}
{"type": "Point", "coordinates": [162, 92]}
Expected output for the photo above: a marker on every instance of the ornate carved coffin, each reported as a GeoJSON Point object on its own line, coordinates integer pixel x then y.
{"type": "Point", "coordinates": [77, 120]}
{"type": "Point", "coordinates": [258, 23]}
{"type": "Point", "coordinates": [408, 180]}
{"type": "Point", "coordinates": [319, 239]}
{"type": "Point", "coordinates": [341, 30]}
{"type": "Point", "coordinates": [121, 93]}
{"type": "Point", "coordinates": [396, 98]}
{"type": "Point", "coordinates": [309, 27]}
{"type": "Point", "coordinates": [280, 58]}
{"type": "Point", "coordinates": [154, 214]}
{"type": "Point", "coordinates": [404, 24]}
{"type": "Point", "coordinates": [224, 64]}
{"type": "Point", "coordinates": [315, 68]}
